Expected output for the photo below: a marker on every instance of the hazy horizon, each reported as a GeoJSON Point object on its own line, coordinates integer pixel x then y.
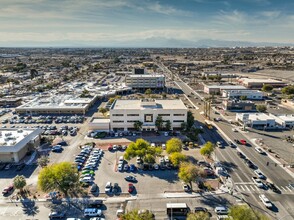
{"type": "Point", "coordinates": [135, 23]}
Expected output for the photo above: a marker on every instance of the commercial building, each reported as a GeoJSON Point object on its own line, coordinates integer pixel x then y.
{"type": "Point", "coordinates": [266, 121]}
{"type": "Point", "coordinates": [258, 83]}
{"type": "Point", "coordinates": [220, 74]}
{"type": "Point", "coordinates": [256, 120]}
{"type": "Point", "coordinates": [101, 124]}
{"type": "Point", "coordinates": [237, 94]}
{"type": "Point", "coordinates": [124, 113]}
{"type": "Point", "coordinates": [64, 104]}
{"type": "Point", "coordinates": [10, 102]}
{"type": "Point", "coordinates": [16, 143]}
{"type": "Point", "coordinates": [217, 89]}
{"type": "Point", "coordinates": [145, 81]}
{"type": "Point", "coordinates": [238, 105]}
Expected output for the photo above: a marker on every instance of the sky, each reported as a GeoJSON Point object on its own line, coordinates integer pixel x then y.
{"type": "Point", "coordinates": [107, 22]}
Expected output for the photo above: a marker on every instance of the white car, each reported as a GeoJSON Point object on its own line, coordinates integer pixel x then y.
{"type": "Point", "coordinates": [108, 187]}
{"type": "Point", "coordinates": [267, 203]}
{"type": "Point", "coordinates": [120, 167]}
{"type": "Point", "coordinates": [234, 130]}
{"type": "Point", "coordinates": [259, 150]}
{"type": "Point", "coordinates": [257, 182]}
{"type": "Point", "coordinates": [259, 174]}
{"type": "Point", "coordinates": [165, 134]}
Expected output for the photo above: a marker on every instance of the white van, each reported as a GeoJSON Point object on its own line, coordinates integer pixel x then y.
{"type": "Point", "coordinates": [267, 203]}
{"type": "Point", "coordinates": [221, 210]}
{"type": "Point", "coordinates": [92, 212]}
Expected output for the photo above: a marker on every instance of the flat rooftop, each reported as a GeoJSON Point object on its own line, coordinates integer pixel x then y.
{"type": "Point", "coordinates": [256, 80]}
{"type": "Point", "coordinates": [146, 76]}
{"type": "Point", "coordinates": [286, 117]}
{"type": "Point", "coordinates": [13, 140]}
{"type": "Point", "coordinates": [62, 101]}
{"type": "Point", "coordinates": [11, 137]}
{"type": "Point", "coordinates": [226, 87]}
{"type": "Point", "coordinates": [100, 120]}
{"type": "Point", "coordinates": [155, 104]}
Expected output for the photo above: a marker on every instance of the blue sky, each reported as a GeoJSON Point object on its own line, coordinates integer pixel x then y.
{"type": "Point", "coordinates": [106, 21]}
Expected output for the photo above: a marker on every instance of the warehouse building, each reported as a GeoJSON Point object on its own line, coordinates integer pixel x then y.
{"type": "Point", "coordinates": [16, 143]}
{"type": "Point", "coordinates": [124, 113]}
{"type": "Point", "coordinates": [237, 94]}
{"type": "Point", "coordinates": [258, 83]}
{"type": "Point", "coordinates": [217, 89]}
{"type": "Point", "coordinates": [64, 104]}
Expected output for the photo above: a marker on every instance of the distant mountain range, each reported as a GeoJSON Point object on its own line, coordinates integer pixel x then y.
{"type": "Point", "coordinates": [155, 42]}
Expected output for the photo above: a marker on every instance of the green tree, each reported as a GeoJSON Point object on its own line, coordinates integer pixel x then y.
{"type": "Point", "coordinates": [261, 108]}
{"type": "Point", "coordinates": [60, 176]}
{"type": "Point", "coordinates": [135, 214]}
{"type": "Point", "coordinates": [142, 148]}
{"type": "Point", "coordinates": [159, 122]}
{"type": "Point", "coordinates": [102, 110]}
{"type": "Point", "coordinates": [267, 88]}
{"type": "Point", "coordinates": [244, 212]}
{"type": "Point", "coordinates": [207, 149]}
{"type": "Point", "coordinates": [111, 100]}
{"type": "Point", "coordinates": [183, 126]}
{"type": "Point", "coordinates": [168, 125]}
{"type": "Point", "coordinates": [288, 90]}
{"type": "Point", "coordinates": [148, 92]}
{"type": "Point", "coordinates": [174, 145]}
{"type": "Point", "coordinates": [190, 120]}
{"type": "Point", "coordinates": [188, 172]}
{"type": "Point", "coordinates": [243, 97]}
{"type": "Point", "coordinates": [198, 216]}
{"type": "Point", "coordinates": [19, 182]}
{"type": "Point", "coordinates": [43, 161]}
{"type": "Point", "coordinates": [177, 158]}
{"type": "Point", "coordinates": [149, 159]}
{"type": "Point", "coordinates": [138, 125]}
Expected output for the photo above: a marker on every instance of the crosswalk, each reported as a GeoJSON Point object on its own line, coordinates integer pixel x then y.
{"type": "Point", "coordinates": [252, 188]}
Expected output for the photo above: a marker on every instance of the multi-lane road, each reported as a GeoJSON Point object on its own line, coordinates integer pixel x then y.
{"type": "Point", "coordinates": [240, 173]}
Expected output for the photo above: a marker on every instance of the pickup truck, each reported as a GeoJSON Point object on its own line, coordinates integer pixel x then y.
{"type": "Point", "coordinates": [257, 182]}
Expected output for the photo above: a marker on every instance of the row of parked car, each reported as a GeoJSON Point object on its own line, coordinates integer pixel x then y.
{"type": "Point", "coordinates": [44, 119]}
{"type": "Point", "coordinates": [87, 162]}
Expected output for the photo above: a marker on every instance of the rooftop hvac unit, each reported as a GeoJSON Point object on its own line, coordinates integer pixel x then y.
{"type": "Point", "coordinates": [19, 131]}
{"type": "Point", "coordinates": [3, 143]}
{"type": "Point", "coordinates": [8, 134]}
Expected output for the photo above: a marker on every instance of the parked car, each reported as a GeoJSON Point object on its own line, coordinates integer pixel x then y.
{"type": "Point", "coordinates": [131, 178]}
{"type": "Point", "coordinates": [7, 189]}
{"type": "Point", "coordinates": [133, 168]}
{"type": "Point", "coordinates": [56, 215]}
{"type": "Point", "coordinates": [115, 188]}
{"type": "Point", "coordinates": [200, 209]}
{"type": "Point", "coordinates": [186, 187]}
{"type": "Point", "coordinates": [259, 174]}
{"type": "Point", "coordinates": [267, 203]}
{"type": "Point", "coordinates": [8, 166]}
{"type": "Point", "coordinates": [131, 188]}
{"type": "Point", "coordinates": [57, 149]}
{"type": "Point", "coordinates": [108, 187]}
{"type": "Point", "coordinates": [243, 142]}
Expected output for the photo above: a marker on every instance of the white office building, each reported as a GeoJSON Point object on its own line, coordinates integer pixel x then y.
{"type": "Point", "coordinates": [124, 113]}
{"type": "Point", "coordinates": [266, 121]}
{"type": "Point", "coordinates": [145, 81]}
{"type": "Point", "coordinates": [249, 94]}
{"type": "Point", "coordinates": [16, 143]}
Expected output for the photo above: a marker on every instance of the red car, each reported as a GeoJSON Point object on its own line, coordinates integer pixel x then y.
{"type": "Point", "coordinates": [110, 148]}
{"type": "Point", "coordinates": [242, 141]}
{"type": "Point", "coordinates": [7, 189]}
{"type": "Point", "coordinates": [131, 188]}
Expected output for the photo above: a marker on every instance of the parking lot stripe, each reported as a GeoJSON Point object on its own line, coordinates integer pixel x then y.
{"type": "Point", "coordinates": [288, 188]}
{"type": "Point", "coordinates": [247, 188]}
{"type": "Point", "coordinates": [252, 188]}
{"type": "Point", "coordinates": [242, 188]}
{"type": "Point", "coordinates": [283, 188]}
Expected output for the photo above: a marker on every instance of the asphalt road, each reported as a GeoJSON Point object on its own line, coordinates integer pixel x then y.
{"type": "Point", "coordinates": [239, 172]}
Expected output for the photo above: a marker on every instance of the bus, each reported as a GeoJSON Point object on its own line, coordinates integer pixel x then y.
{"type": "Point", "coordinates": [177, 209]}
{"type": "Point", "coordinates": [208, 124]}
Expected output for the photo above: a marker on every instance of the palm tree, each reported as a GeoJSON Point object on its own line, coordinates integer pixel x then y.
{"type": "Point", "coordinates": [138, 125]}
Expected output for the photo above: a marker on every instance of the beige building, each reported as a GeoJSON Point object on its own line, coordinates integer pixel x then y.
{"type": "Point", "coordinates": [15, 143]}
{"type": "Point", "coordinates": [124, 113]}
{"type": "Point", "coordinates": [64, 104]}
